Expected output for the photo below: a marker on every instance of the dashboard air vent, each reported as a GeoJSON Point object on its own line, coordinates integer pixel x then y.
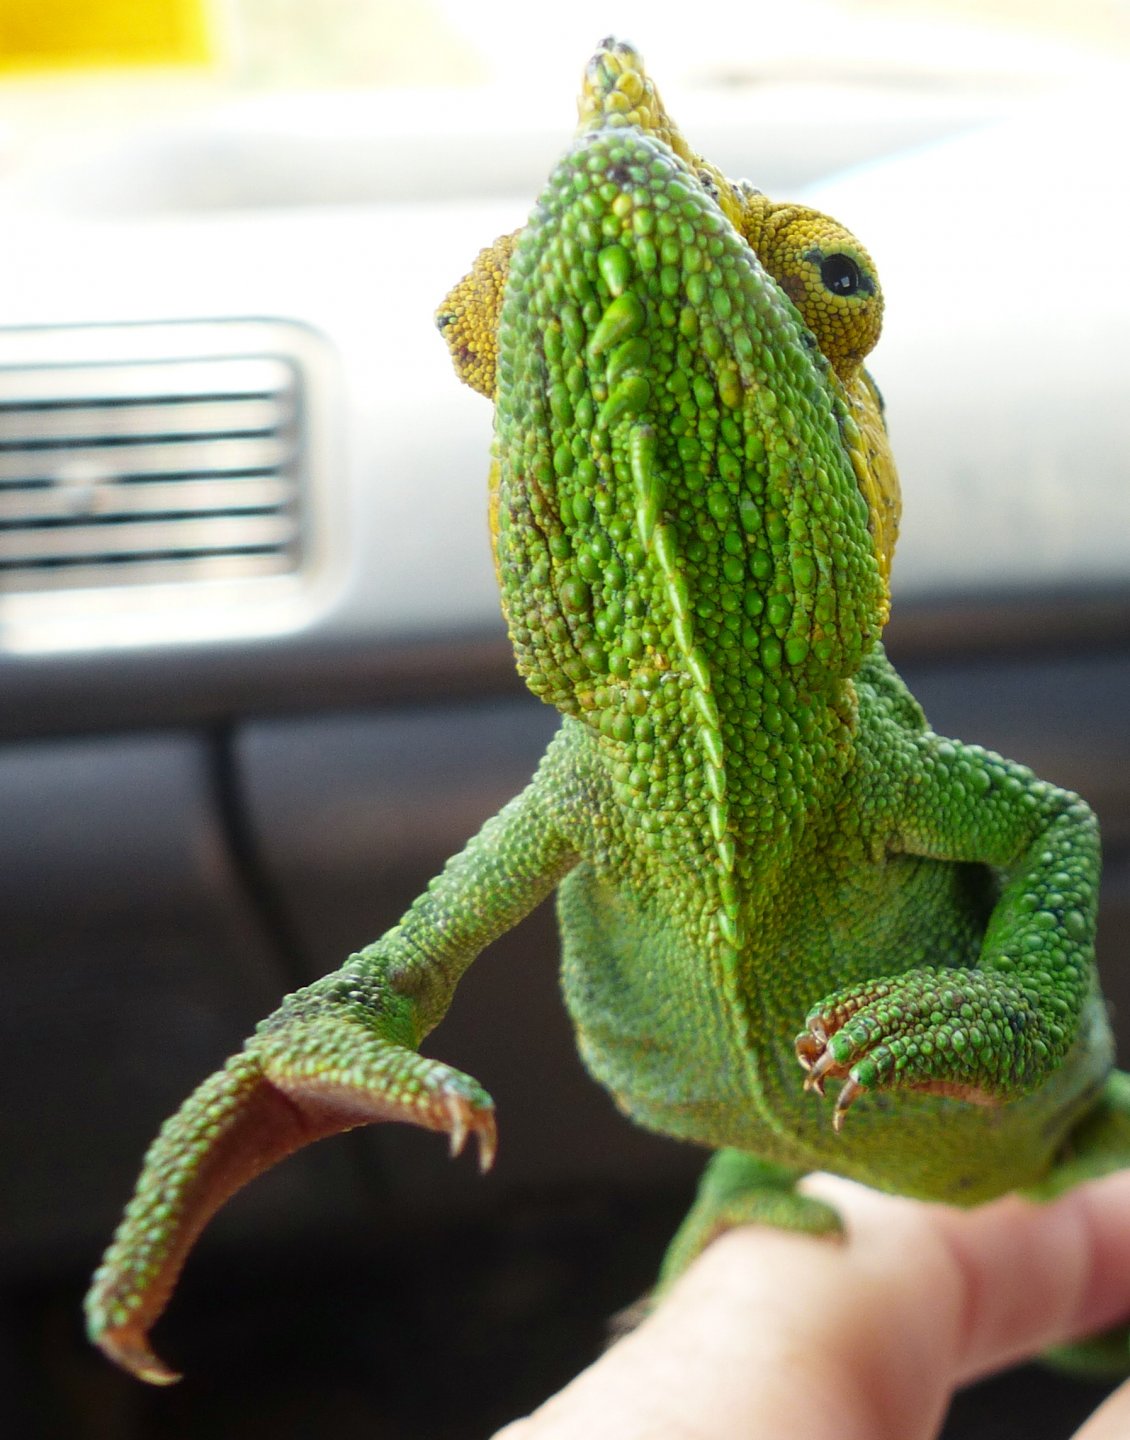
{"type": "Point", "coordinates": [152, 471]}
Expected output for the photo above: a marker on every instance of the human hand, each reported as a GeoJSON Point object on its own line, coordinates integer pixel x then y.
{"type": "Point", "coordinates": [780, 1335]}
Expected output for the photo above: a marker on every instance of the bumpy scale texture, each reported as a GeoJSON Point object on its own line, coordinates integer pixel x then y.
{"type": "Point", "coordinates": [751, 828]}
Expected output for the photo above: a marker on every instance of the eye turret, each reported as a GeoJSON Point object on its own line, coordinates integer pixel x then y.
{"type": "Point", "coordinates": [824, 271]}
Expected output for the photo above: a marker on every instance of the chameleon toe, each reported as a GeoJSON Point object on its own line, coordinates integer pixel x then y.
{"type": "Point", "coordinates": [128, 1347]}
{"type": "Point", "coordinates": [465, 1119]}
{"type": "Point", "coordinates": [850, 1091]}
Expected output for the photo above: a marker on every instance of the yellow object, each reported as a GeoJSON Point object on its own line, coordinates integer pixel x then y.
{"type": "Point", "coordinates": [468, 317]}
{"type": "Point", "coordinates": [89, 34]}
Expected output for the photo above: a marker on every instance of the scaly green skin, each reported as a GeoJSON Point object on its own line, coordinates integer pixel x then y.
{"type": "Point", "coordinates": [753, 830]}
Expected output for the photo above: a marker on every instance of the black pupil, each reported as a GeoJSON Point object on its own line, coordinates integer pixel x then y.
{"type": "Point", "coordinates": [840, 274]}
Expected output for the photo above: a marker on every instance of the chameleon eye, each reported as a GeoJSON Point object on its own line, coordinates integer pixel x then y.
{"type": "Point", "coordinates": [841, 275]}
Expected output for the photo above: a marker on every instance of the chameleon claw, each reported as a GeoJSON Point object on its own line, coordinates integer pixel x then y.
{"type": "Point", "coordinates": [487, 1133]}
{"type": "Point", "coordinates": [128, 1346]}
{"type": "Point", "coordinates": [819, 1069]}
{"type": "Point", "coordinates": [815, 1057]}
{"type": "Point", "coordinates": [850, 1091]}
{"type": "Point", "coordinates": [810, 1045]}
{"type": "Point", "coordinates": [465, 1119]}
{"type": "Point", "coordinates": [458, 1130]}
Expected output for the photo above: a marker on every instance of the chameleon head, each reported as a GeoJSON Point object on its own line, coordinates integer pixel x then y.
{"type": "Point", "coordinates": [684, 428]}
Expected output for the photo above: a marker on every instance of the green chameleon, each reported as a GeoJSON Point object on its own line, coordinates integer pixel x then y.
{"type": "Point", "coordinates": [750, 827]}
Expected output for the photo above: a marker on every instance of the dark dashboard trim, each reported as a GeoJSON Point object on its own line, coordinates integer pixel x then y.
{"type": "Point", "coordinates": [73, 693]}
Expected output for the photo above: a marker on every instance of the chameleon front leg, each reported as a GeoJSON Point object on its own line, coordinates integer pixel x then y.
{"type": "Point", "coordinates": [996, 1031]}
{"type": "Point", "coordinates": [337, 1054]}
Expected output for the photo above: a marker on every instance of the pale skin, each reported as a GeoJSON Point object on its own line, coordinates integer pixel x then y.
{"type": "Point", "coordinates": [785, 1337]}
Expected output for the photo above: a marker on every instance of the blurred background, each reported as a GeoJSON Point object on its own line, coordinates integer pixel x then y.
{"type": "Point", "coordinates": [254, 687]}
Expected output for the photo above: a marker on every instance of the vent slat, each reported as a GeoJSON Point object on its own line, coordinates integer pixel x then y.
{"type": "Point", "coordinates": [88, 464]}
{"type": "Point", "coordinates": [130, 423]}
{"type": "Point", "coordinates": [149, 570]}
{"type": "Point", "coordinates": [113, 499]}
{"type": "Point", "coordinates": [142, 537]}
{"type": "Point", "coordinates": [173, 382]}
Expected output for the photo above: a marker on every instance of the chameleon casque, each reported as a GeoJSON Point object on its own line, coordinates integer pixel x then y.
{"type": "Point", "coordinates": [751, 829]}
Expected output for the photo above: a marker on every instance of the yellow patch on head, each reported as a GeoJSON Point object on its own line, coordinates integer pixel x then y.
{"type": "Point", "coordinates": [874, 466]}
{"type": "Point", "coordinates": [468, 317]}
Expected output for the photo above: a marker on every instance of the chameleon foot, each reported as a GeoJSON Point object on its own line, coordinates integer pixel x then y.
{"type": "Point", "coordinates": [285, 1090]}
{"type": "Point", "coordinates": [960, 1034]}
{"type": "Point", "coordinates": [739, 1189]}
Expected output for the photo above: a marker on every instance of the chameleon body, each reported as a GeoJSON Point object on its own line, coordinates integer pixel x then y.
{"type": "Point", "coordinates": [751, 828]}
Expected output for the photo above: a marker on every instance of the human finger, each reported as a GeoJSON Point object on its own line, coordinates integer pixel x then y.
{"type": "Point", "coordinates": [789, 1333]}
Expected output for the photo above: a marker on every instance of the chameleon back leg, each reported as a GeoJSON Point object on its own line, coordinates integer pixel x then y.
{"type": "Point", "coordinates": [740, 1189]}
